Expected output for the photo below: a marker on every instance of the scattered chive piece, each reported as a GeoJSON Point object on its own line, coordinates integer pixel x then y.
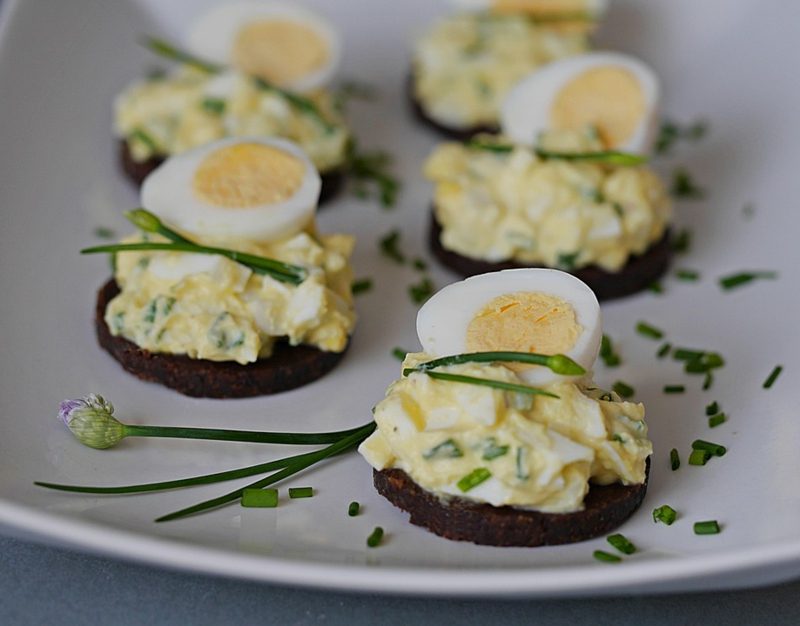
{"type": "Point", "coordinates": [670, 133]}
{"type": "Point", "coordinates": [607, 354]}
{"type": "Point", "coordinates": [749, 210]}
{"type": "Point", "coordinates": [687, 275]}
{"type": "Point", "coordinates": [260, 498]}
{"type": "Point", "coordinates": [301, 492]}
{"type": "Point", "coordinates": [674, 388]}
{"type": "Point", "coordinates": [623, 390]}
{"type": "Point", "coordinates": [145, 138]}
{"type": "Point", "coordinates": [646, 330]}
{"type": "Point", "coordinates": [606, 557]}
{"type": "Point", "coordinates": [353, 508]}
{"type": "Point", "coordinates": [567, 260]}
{"type": "Point", "coordinates": [664, 350]}
{"type": "Point", "coordinates": [367, 168]}
{"type": "Point", "coordinates": [390, 247]}
{"type": "Point", "coordinates": [713, 408]}
{"type": "Point", "coordinates": [716, 420]}
{"type": "Point", "coordinates": [674, 459]}
{"type": "Point", "coordinates": [353, 90]}
{"type": "Point", "coordinates": [488, 382]}
{"type": "Point", "coordinates": [492, 450]}
{"type": "Point", "coordinates": [709, 527]}
{"type": "Point", "coordinates": [742, 278]}
{"type": "Point", "coordinates": [699, 457]}
{"type": "Point", "coordinates": [362, 285]}
{"type": "Point", "coordinates": [104, 233]}
{"type": "Point", "coordinates": [656, 287]}
{"type": "Point", "coordinates": [420, 265]}
{"type": "Point", "coordinates": [665, 514]}
{"type": "Point", "coordinates": [611, 157]}
{"type": "Point", "coordinates": [621, 543]}
{"type": "Point", "coordinates": [421, 291]}
{"type": "Point", "coordinates": [399, 354]}
{"type": "Point", "coordinates": [473, 479]}
{"type": "Point", "coordinates": [683, 186]}
{"type": "Point", "coordinates": [374, 539]}
{"type": "Point", "coordinates": [214, 105]}
{"type": "Point", "coordinates": [707, 381]}
{"type": "Point", "coordinates": [773, 376]}
{"type": "Point", "coordinates": [682, 241]}
{"type": "Point", "coordinates": [448, 449]}
{"type": "Point", "coordinates": [685, 354]}
{"type": "Point", "coordinates": [712, 448]}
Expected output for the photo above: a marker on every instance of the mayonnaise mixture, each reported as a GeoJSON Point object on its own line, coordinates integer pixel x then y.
{"type": "Point", "coordinates": [209, 307]}
{"type": "Point", "coordinates": [540, 452]}
{"type": "Point", "coordinates": [189, 108]}
{"type": "Point", "coordinates": [558, 213]}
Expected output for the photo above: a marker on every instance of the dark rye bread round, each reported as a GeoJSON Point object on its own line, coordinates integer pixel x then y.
{"type": "Point", "coordinates": [137, 171]}
{"type": "Point", "coordinates": [453, 132]}
{"type": "Point", "coordinates": [637, 274]}
{"type": "Point", "coordinates": [605, 508]}
{"type": "Point", "coordinates": [288, 367]}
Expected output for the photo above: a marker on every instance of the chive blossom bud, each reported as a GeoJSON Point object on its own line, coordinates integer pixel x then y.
{"type": "Point", "coordinates": [562, 364]}
{"type": "Point", "coordinates": [144, 220]}
{"type": "Point", "coordinates": [91, 420]}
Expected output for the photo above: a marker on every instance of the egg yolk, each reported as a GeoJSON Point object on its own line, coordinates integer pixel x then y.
{"type": "Point", "coordinates": [608, 98]}
{"type": "Point", "coordinates": [524, 322]}
{"type": "Point", "coordinates": [280, 51]}
{"type": "Point", "coordinates": [246, 175]}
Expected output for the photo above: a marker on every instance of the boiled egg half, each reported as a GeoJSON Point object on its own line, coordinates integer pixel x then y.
{"type": "Point", "coordinates": [521, 310]}
{"type": "Point", "coordinates": [287, 45]}
{"type": "Point", "coordinates": [616, 94]}
{"type": "Point", "coordinates": [257, 189]}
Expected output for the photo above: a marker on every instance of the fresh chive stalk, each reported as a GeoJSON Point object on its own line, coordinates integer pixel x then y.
{"type": "Point", "coordinates": [557, 363]}
{"type": "Point", "coordinates": [732, 281]}
{"type": "Point", "coordinates": [665, 514]}
{"type": "Point", "coordinates": [773, 376]}
{"type": "Point", "coordinates": [609, 157]}
{"type": "Point", "coordinates": [606, 557]}
{"type": "Point", "coordinates": [621, 543]}
{"type": "Point", "coordinates": [375, 537]}
{"type": "Point", "coordinates": [298, 102]}
{"type": "Point", "coordinates": [709, 527]}
{"type": "Point", "coordinates": [488, 382]}
{"type": "Point", "coordinates": [168, 51]}
{"type": "Point", "coordinates": [478, 143]}
{"type": "Point", "coordinates": [301, 492]}
{"type": "Point", "coordinates": [260, 498]}
{"type": "Point", "coordinates": [674, 459]}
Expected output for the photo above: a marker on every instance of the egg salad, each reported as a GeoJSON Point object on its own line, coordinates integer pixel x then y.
{"type": "Point", "coordinates": [189, 108]}
{"type": "Point", "coordinates": [514, 205]}
{"type": "Point", "coordinates": [539, 452]}
{"type": "Point", "coordinates": [252, 196]}
{"type": "Point", "coordinates": [464, 66]}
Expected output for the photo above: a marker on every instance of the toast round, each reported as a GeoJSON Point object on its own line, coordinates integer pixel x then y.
{"type": "Point", "coordinates": [137, 171]}
{"type": "Point", "coordinates": [288, 367]}
{"type": "Point", "coordinates": [636, 275]}
{"type": "Point", "coordinates": [459, 519]}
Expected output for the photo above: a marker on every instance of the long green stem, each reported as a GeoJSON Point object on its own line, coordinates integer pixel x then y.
{"type": "Point", "coordinates": [297, 466]}
{"type": "Point", "coordinates": [222, 434]}
{"type": "Point", "coordinates": [558, 363]}
{"type": "Point", "coordinates": [167, 50]}
{"type": "Point", "coordinates": [487, 382]}
{"type": "Point", "coordinates": [612, 157]}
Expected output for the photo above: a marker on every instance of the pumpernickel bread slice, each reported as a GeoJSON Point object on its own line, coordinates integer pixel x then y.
{"type": "Point", "coordinates": [137, 171]}
{"type": "Point", "coordinates": [636, 275]}
{"type": "Point", "coordinates": [288, 367]}
{"type": "Point", "coordinates": [605, 508]}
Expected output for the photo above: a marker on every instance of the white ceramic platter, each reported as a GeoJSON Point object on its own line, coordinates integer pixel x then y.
{"type": "Point", "coordinates": [61, 63]}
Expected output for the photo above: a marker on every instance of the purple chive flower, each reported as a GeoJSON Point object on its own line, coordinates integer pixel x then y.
{"type": "Point", "coordinates": [91, 420]}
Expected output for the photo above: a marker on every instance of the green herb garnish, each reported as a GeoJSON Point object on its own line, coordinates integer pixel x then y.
{"type": "Point", "coordinates": [699, 457]}
{"type": "Point", "coordinates": [623, 390]}
{"type": "Point", "coordinates": [712, 448]}
{"type": "Point", "coordinates": [709, 527]}
{"type": "Point", "coordinates": [260, 498]}
{"type": "Point", "coordinates": [567, 261]}
{"type": "Point", "coordinates": [492, 450]}
{"type": "Point", "coordinates": [687, 275]}
{"type": "Point", "coordinates": [557, 363]}
{"type": "Point", "coordinates": [167, 50]}
{"type": "Point", "coordinates": [421, 291]}
{"type": "Point", "coordinates": [137, 134]}
{"type": "Point", "coordinates": [683, 186]}
{"type": "Point", "coordinates": [716, 420]}
{"type": "Point", "coordinates": [651, 332]}
{"type": "Point", "coordinates": [390, 247]}
{"type": "Point", "coordinates": [773, 376]}
{"type": "Point", "coordinates": [473, 479]}
{"type": "Point", "coordinates": [607, 353]}
{"type": "Point", "coordinates": [712, 408]}
{"type": "Point", "coordinates": [353, 508]}
{"type": "Point", "coordinates": [448, 449]}
{"type": "Point", "coordinates": [670, 133]}
{"type": "Point", "coordinates": [606, 557]}
{"type": "Point", "coordinates": [420, 265]}
{"type": "Point", "coordinates": [353, 90]}
{"type": "Point", "coordinates": [656, 287]}
{"type": "Point", "coordinates": [399, 354]}
{"type": "Point", "coordinates": [215, 106]}
{"type": "Point", "coordinates": [488, 382]}
{"type": "Point", "coordinates": [298, 102]}
{"type": "Point", "coordinates": [372, 168]}
{"type": "Point", "coordinates": [682, 240]}
{"type": "Point", "coordinates": [664, 350]}
{"type": "Point", "coordinates": [101, 232]}
{"type": "Point", "coordinates": [522, 472]}
{"type": "Point", "coordinates": [375, 537]}
{"type": "Point", "coordinates": [674, 459]}
{"type": "Point", "coordinates": [610, 157]}
{"type": "Point", "coordinates": [301, 492]}
{"type": "Point", "coordinates": [707, 381]}
{"type": "Point", "coordinates": [621, 543]}
{"type": "Point", "coordinates": [674, 388]}
{"type": "Point", "coordinates": [479, 143]}
{"type": "Point", "coordinates": [733, 281]}
{"type": "Point", "coordinates": [665, 514]}
{"type": "Point", "coordinates": [360, 286]}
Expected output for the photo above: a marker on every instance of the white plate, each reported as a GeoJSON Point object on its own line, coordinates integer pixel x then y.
{"type": "Point", "coordinates": [60, 66]}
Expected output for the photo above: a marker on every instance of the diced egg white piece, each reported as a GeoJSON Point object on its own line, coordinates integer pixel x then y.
{"type": "Point", "coordinates": [616, 93]}
{"type": "Point", "coordinates": [376, 450]}
{"type": "Point", "coordinates": [441, 418]}
{"type": "Point", "coordinates": [444, 320]}
{"type": "Point", "coordinates": [295, 48]}
{"type": "Point", "coordinates": [175, 267]}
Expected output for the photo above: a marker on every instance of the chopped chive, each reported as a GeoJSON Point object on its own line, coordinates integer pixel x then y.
{"type": "Point", "coordinates": [373, 168]}
{"type": "Point", "coordinates": [773, 376]}
{"type": "Point", "coordinates": [674, 459]}
{"type": "Point", "coordinates": [687, 275]}
{"type": "Point", "coordinates": [683, 186]}
{"type": "Point", "coordinates": [621, 543]}
{"type": "Point", "coordinates": [699, 457]}
{"type": "Point", "coordinates": [489, 146]}
{"type": "Point", "coordinates": [421, 291]}
{"type": "Point", "coordinates": [389, 245]}
{"type": "Point", "coordinates": [664, 350]}
{"type": "Point", "coordinates": [215, 106]}
{"type": "Point", "coordinates": [655, 287]}
{"type": "Point", "coordinates": [670, 133]}
{"type": "Point", "coordinates": [733, 281]}
{"type": "Point", "coordinates": [448, 449]}
{"type": "Point", "coordinates": [623, 390]}
{"type": "Point", "coordinates": [685, 354]}
{"type": "Point", "coordinates": [712, 448]}
{"type": "Point", "coordinates": [665, 514]}
{"type": "Point", "coordinates": [749, 210]}
{"type": "Point", "coordinates": [375, 537]}
{"type": "Point", "coordinates": [606, 557]}
{"type": "Point", "coordinates": [420, 265]}
{"type": "Point", "coordinates": [473, 479]}
{"type": "Point", "coordinates": [353, 508]}
{"type": "Point", "coordinates": [167, 50]}
{"type": "Point", "coordinates": [145, 138]}
{"type": "Point", "coordinates": [709, 527]}
{"type": "Point", "coordinates": [618, 438]}
{"type": "Point", "coordinates": [611, 157]}
{"type": "Point", "coordinates": [362, 285]}
{"type": "Point", "coordinates": [716, 420]}
{"type": "Point", "coordinates": [260, 498]}
{"type": "Point", "coordinates": [399, 354]}
{"type": "Point", "coordinates": [488, 382]}
{"type": "Point", "coordinates": [707, 381]}
{"type": "Point", "coordinates": [646, 330]}
{"type": "Point", "coordinates": [102, 232]}
{"type": "Point", "coordinates": [567, 261]}
{"type": "Point", "coordinates": [607, 354]}
{"type": "Point", "coordinates": [674, 388]}
{"type": "Point", "coordinates": [492, 450]}
{"type": "Point", "coordinates": [704, 363]}
{"type": "Point", "coordinates": [713, 408]}
{"type": "Point", "coordinates": [522, 472]}
{"type": "Point", "coordinates": [682, 240]}
{"type": "Point", "coordinates": [557, 363]}
{"type": "Point", "coordinates": [301, 492]}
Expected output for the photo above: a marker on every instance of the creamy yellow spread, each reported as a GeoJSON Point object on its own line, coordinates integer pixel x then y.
{"type": "Point", "coordinates": [465, 65]}
{"type": "Point", "coordinates": [209, 307]}
{"type": "Point", "coordinates": [541, 453]}
{"type": "Point", "coordinates": [188, 109]}
{"type": "Point", "coordinates": [558, 213]}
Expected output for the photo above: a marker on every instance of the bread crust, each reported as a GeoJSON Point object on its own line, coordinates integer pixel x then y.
{"type": "Point", "coordinates": [605, 508]}
{"type": "Point", "coordinates": [137, 171]}
{"type": "Point", "coordinates": [639, 273]}
{"type": "Point", "coordinates": [288, 367]}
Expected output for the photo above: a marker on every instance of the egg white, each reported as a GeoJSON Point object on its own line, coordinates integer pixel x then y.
{"type": "Point", "coordinates": [211, 36]}
{"type": "Point", "coordinates": [442, 322]}
{"type": "Point", "coordinates": [525, 112]}
{"type": "Point", "coordinates": [167, 192]}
